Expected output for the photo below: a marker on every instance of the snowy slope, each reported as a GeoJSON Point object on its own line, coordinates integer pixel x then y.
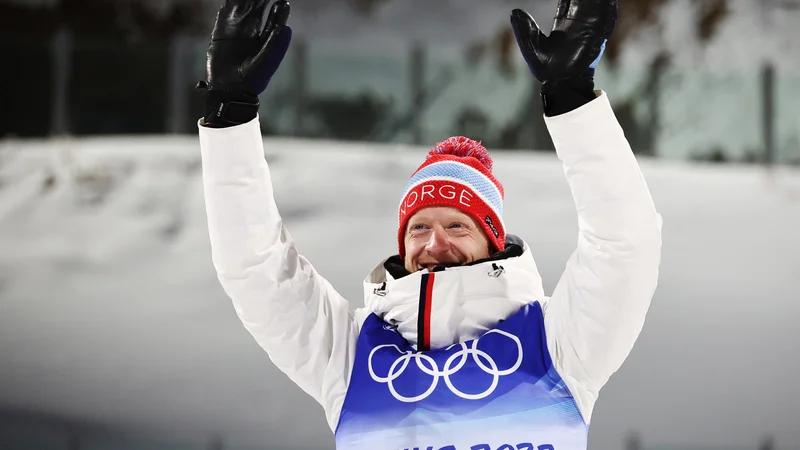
{"type": "Point", "coordinates": [110, 311]}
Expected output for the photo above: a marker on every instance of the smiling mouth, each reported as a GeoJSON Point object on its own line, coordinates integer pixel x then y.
{"type": "Point", "coordinates": [435, 265]}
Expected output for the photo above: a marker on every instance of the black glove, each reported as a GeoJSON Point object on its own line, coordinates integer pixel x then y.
{"type": "Point", "coordinates": [242, 58]}
{"type": "Point", "coordinates": [565, 60]}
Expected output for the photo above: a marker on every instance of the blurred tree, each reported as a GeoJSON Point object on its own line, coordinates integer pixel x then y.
{"type": "Point", "coordinates": [348, 118]}
{"type": "Point", "coordinates": [642, 129]}
{"type": "Point", "coordinates": [633, 17]}
{"type": "Point", "coordinates": [528, 131]}
{"type": "Point", "coordinates": [502, 45]}
{"type": "Point", "coordinates": [366, 7]}
{"type": "Point", "coordinates": [105, 18]}
{"type": "Point", "coordinates": [711, 14]}
{"type": "Point", "coordinates": [117, 56]}
{"type": "Point", "coordinates": [782, 4]}
{"type": "Point", "coordinates": [474, 123]}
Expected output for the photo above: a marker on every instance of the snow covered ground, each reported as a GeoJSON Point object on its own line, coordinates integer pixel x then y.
{"type": "Point", "coordinates": [110, 312]}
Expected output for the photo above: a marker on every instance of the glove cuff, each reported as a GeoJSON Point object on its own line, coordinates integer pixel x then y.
{"type": "Point", "coordinates": [564, 95]}
{"type": "Point", "coordinates": [227, 109]}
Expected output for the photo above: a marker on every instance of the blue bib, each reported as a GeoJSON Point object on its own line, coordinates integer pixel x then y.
{"type": "Point", "coordinates": [497, 392]}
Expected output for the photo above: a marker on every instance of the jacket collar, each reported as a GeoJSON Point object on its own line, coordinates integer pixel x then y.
{"type": "Point", "coordinates": [454, 304]}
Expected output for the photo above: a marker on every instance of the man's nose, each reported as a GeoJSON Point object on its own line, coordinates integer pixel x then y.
{"type": "Point", "coordinates": [438, 241]}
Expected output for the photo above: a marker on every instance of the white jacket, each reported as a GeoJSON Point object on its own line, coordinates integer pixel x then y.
{"type": "Point", "coordinates": [309, 331]}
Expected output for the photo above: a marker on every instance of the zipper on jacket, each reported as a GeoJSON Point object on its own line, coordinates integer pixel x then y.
{"type": "Point", "coordinates": [424, 313]}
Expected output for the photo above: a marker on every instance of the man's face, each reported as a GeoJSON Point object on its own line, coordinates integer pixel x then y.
{"type": "Point", "coordinates": [443, 236]}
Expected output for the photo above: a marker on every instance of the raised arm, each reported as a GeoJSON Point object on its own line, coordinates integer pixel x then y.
{"type": "Point", "coordinates": [293, 313]}
{"type": "Point", "coordinates": [598, 307]}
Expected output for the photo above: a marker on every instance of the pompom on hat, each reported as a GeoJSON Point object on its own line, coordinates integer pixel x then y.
{"type": "Point", "coordinates": [457, 172]}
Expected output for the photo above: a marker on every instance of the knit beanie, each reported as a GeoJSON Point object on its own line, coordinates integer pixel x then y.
{"type": "Point", "coordinates": [458, 173]}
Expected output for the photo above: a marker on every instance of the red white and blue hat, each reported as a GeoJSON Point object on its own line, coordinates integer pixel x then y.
{"type": "Point", "coordinates": [458, 173]}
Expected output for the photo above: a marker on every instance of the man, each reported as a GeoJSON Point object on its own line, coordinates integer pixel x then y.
{"type": "Point", "coordinates": [457, 346]}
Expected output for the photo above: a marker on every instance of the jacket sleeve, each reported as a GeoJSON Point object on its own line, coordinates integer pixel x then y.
{"type": "Point", "coordinates": [598, 307]}
{"type": "Point", "coordinates": [294, 314]}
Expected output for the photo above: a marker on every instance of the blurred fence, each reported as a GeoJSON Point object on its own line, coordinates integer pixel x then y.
{"type": "Point", "coordinates": [415, 94]}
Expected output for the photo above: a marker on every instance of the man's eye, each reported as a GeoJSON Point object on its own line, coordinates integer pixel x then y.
{"type": "Point", "coordinates": [418, 227]}
{"type": "Point", "coordinates": [457, 225]}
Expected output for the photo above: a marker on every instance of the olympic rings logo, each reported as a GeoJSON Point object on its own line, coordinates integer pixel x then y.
{"type": "Point", "coordinates": [453, 364]}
